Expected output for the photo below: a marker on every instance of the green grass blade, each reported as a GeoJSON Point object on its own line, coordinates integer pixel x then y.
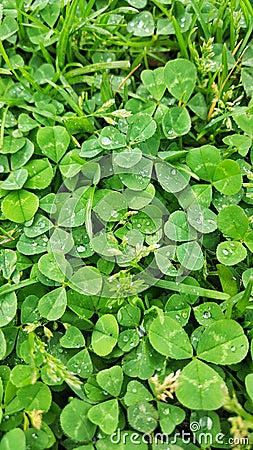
{"type": "Point", "coordinates": [7, 288]}
{"type": "Point", "coordinates": [224, 66]}
{"type": "Point", "coordinates": [62, 44]}
{"type": "Point", "coordinates": [7, 61]}
{"type": "Point", "coordinates": [162, 8]}
{"type": "Point", "coordinates": [96, 68]}
{"type": "Point", "coordinates": [4, 115]}
{"type": "Point", "coordinates": [180, 39]}
{"type": "Point", "coordinates": [67, 98]}
{"type": "Point", "coordinates": [28, 77]}
{"type": "Point", "coordinates": [187, 289]}
{"type": "Point", "coordinates": [248, 5]}
{"type": "Point", "coordinates": [247, 37]}
{"type": "Point", "coordinates": [197, 8]}
{"type": "Point", "coordinates": [242, 304]}
{"type": "Point", "coordinates": [88, 8]}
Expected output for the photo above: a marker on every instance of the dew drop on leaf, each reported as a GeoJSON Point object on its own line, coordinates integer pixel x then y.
{"type": "Point", "coordinates": [81, 248]}
{"type": "Point", "coordinates": [206, 422]}
{"type": "Point", "coordinates": [106, 141]}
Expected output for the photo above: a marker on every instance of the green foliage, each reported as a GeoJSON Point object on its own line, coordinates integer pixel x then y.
{"type": "Point", "coordinates": [230, 343]}
{"type": "Point", "coordinates": [180, 77]}
{"type": "Point", "coordinates": [176, 122]}
{"type": "Point", "coordinates": [20, 206]}
{"type": "Point", "coordinates": [126, 224]}
{"type": "Point", "coordinates": [53, 142]}
{"type": "Point", "coordinates": [105, 334]}
{"type": "Point", "coordinates": [201, 388]}
{"type": "Point", "coordinates": [105, 415]}
{"type": "Point", "coordinates": [169, 339]}
{"type": "Point", "coordinates": [75, 422]}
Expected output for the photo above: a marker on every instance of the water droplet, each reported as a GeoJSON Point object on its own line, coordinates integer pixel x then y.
{"type": "Point", "coordinates": [81, 248]}
{"type": "Point", "coordinates": [1, 169]}
{"type": "Point", "coordinates": [206, 315]}
{"type": "Point", "coordinates": [114, 213]}
{"type": "Point", "coordinates": [225, 252]}
{"type": "Point", "coordinates": [34, 436]}
{"type": "Point", "coordinates": [106, 141]}
{"type": "Point", "coordinates": [166, 411]}
{"type": "Point", "coordinates": [233, 348]}
{"type": "Point", "coordinates": [173, 171]}
{"type": "Point", "coordinates": [206, 422]}
{"type": "Point", "coordinates": [134, 391]}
